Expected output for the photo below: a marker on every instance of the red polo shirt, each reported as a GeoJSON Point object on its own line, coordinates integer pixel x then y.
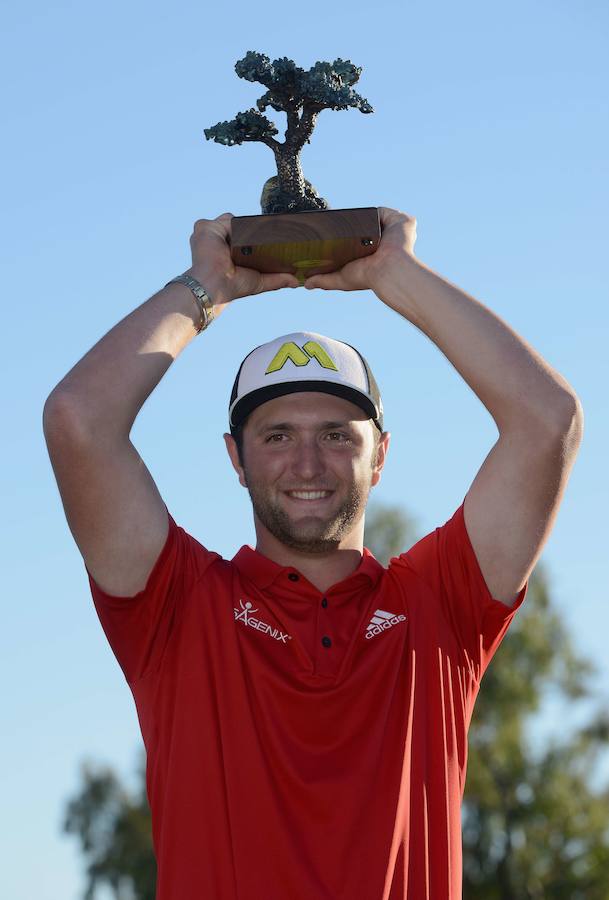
{"type": "Point", "coordinates": [300, 745]}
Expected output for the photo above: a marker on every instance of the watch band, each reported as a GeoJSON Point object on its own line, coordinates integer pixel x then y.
{"type": "Point", "coordinates": [203, 300]}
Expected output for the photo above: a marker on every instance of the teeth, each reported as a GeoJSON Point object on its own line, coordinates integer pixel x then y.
{"type": "Point", "coordinates": [308, 495]}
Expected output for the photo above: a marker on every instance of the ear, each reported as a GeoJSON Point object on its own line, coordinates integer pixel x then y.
{"type": "Point", "coordinates": [231, 446]}
{"type": "Point", "coordinates": [381, 455]}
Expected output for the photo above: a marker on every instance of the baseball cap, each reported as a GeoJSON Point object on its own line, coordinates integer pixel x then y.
{"type": "Point", "coordinates": [303, 361]}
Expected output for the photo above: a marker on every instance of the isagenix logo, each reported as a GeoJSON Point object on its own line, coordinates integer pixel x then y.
{"type": "Point", "coordinates": [245, 615]}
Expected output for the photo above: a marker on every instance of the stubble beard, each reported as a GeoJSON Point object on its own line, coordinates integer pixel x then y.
{"type": "Point", "coordinates": [318, 535]}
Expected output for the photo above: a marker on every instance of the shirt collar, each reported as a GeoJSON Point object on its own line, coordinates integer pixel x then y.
{"type": "Point", "coordinates": [264, 571]}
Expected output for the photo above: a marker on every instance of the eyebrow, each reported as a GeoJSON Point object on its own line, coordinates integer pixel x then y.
{"type": "Point", "coordinates": [287, 426]}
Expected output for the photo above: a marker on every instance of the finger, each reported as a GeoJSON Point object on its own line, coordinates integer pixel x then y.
{"type": "Point", "coordinates": [223, 224]}
{"type": "Point", "coordinates": [220, 227]}
{"type": "Point", "coordinates": [331, 281]}
{"type": "Point", "coordinates": [274, 281]}
{"type": "Point", "coordinates": [390, 216]}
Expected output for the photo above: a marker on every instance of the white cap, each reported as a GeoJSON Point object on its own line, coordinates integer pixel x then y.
{"type": "Point", "coordinates": [304, 361]}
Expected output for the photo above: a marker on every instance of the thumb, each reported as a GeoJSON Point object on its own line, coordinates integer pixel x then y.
{"type": "Point", "coordinates": [274, 281]}
{"type": "Point", "coordinates": [328, 282]}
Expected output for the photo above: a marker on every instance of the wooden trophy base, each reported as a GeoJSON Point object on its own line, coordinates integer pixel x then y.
{"type": "Point", "coordinates": [305, 243]}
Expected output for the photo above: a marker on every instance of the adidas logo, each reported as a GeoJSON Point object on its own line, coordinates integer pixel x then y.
{"type": "Point", "coordinates": [381, 621]}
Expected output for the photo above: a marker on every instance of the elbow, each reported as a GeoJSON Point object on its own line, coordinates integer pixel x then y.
{"type": "Point", "coordinates": [577, 422]}
{"type": "Point", "coordinates": [569, 426]}
{"type": "Point", "coordinates": [574, 412]}
{"type": "Point", "coordinates": [568, 415]}
{"type": "Point", "coordinates": [62, 421]}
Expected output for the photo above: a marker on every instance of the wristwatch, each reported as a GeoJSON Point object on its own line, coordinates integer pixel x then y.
{"type": "Point", "coordinates": [203, 300]}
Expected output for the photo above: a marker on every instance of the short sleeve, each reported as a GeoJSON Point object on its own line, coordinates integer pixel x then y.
{"type": "Point", "coordinates": [445, 560]}
{"type": "Point", "coordinates": [139, 627]}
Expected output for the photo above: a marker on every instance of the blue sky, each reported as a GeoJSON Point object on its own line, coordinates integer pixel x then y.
{"type": "Point", "coordinates": [490, 127]}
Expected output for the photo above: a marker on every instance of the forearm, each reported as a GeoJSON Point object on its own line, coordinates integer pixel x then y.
{"type": "Point", "coordinates": [512, 380]}
{"type": "Point", "coordinates": [106, 389]}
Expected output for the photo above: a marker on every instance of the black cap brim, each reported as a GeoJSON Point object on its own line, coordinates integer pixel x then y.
{"type": "Point", "coordinates": [256, 398]}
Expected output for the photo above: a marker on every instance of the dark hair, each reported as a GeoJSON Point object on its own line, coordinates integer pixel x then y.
{"type": "Point", "coordinates": [237, 433]}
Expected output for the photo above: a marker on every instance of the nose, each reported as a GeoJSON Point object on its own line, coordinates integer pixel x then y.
{"type": "Point", "coordinates": [308, 462]}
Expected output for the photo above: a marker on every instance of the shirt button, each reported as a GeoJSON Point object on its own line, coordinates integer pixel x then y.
{"type": "Point", "coordinates": [324, 602]}
{"type": "Point", "coordinates": [293, 576]}
{"type": "Point", "coordinates": [326, 641]}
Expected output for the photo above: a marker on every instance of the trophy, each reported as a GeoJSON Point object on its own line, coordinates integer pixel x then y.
{"type": "Point", "coordinates": [297, 232]}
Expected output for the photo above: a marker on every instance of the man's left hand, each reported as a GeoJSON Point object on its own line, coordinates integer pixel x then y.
{"type": "Point", "coordinates": [398, 236]}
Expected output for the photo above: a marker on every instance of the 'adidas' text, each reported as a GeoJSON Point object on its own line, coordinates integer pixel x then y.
{"type": "Point", "coordinates": [381, 621]}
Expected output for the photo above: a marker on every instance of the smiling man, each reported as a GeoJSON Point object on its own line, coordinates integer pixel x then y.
{"type": "Point", "coordinates": [307, 442]}
{"type": "Point", "coordinates": [305, 709]}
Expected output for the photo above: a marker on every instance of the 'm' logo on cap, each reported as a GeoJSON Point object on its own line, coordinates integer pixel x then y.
{"type": "Point", "coordinates": [290, 350]}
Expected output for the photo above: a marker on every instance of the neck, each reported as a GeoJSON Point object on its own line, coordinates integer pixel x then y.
{"type": "Point", "coordinates": [321, 569]}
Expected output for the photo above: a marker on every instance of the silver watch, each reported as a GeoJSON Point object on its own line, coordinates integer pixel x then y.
{"type": "Point", "coordinates": [201, 296]}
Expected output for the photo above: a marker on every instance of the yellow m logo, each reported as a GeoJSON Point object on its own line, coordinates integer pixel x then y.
{"type": "Point", "coordinates": [290, 350]}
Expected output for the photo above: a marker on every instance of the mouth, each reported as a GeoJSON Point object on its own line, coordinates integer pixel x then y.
{"type": "Point", "coordinates": [309, 496]}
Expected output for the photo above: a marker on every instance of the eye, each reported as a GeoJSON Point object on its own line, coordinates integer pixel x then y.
{"type": "Point", "coordinates": [270, 438]}
{"type": "Point", "coordinates": [339, 436]}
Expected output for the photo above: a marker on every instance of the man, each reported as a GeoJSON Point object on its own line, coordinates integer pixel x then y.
{"type": "Point", "coordinates": [304, 709]}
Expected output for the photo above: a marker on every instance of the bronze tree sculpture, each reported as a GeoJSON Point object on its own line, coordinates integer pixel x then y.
{"type": "Point", "coordinates": [302, 96]}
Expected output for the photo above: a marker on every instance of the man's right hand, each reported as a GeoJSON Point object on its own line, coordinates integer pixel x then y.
{"type": "Point", "coordinates": [213, 267]}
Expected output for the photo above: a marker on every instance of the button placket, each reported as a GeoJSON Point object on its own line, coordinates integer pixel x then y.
{"type": "Point", "coordinates": [326, 639]}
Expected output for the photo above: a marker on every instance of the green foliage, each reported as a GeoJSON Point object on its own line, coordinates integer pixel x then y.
{"type": "Point", "coordinates": [115, 834]}
{"type": "Point", "coordinates": [387, 531]}
{"type": "Point", "coordinates": [534, 826]}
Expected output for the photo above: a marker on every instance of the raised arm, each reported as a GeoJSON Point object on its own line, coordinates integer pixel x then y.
{"type": "Point", "coordinates": [512, 503]}
{"type": "Point", "coordinates": [112, 505]}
